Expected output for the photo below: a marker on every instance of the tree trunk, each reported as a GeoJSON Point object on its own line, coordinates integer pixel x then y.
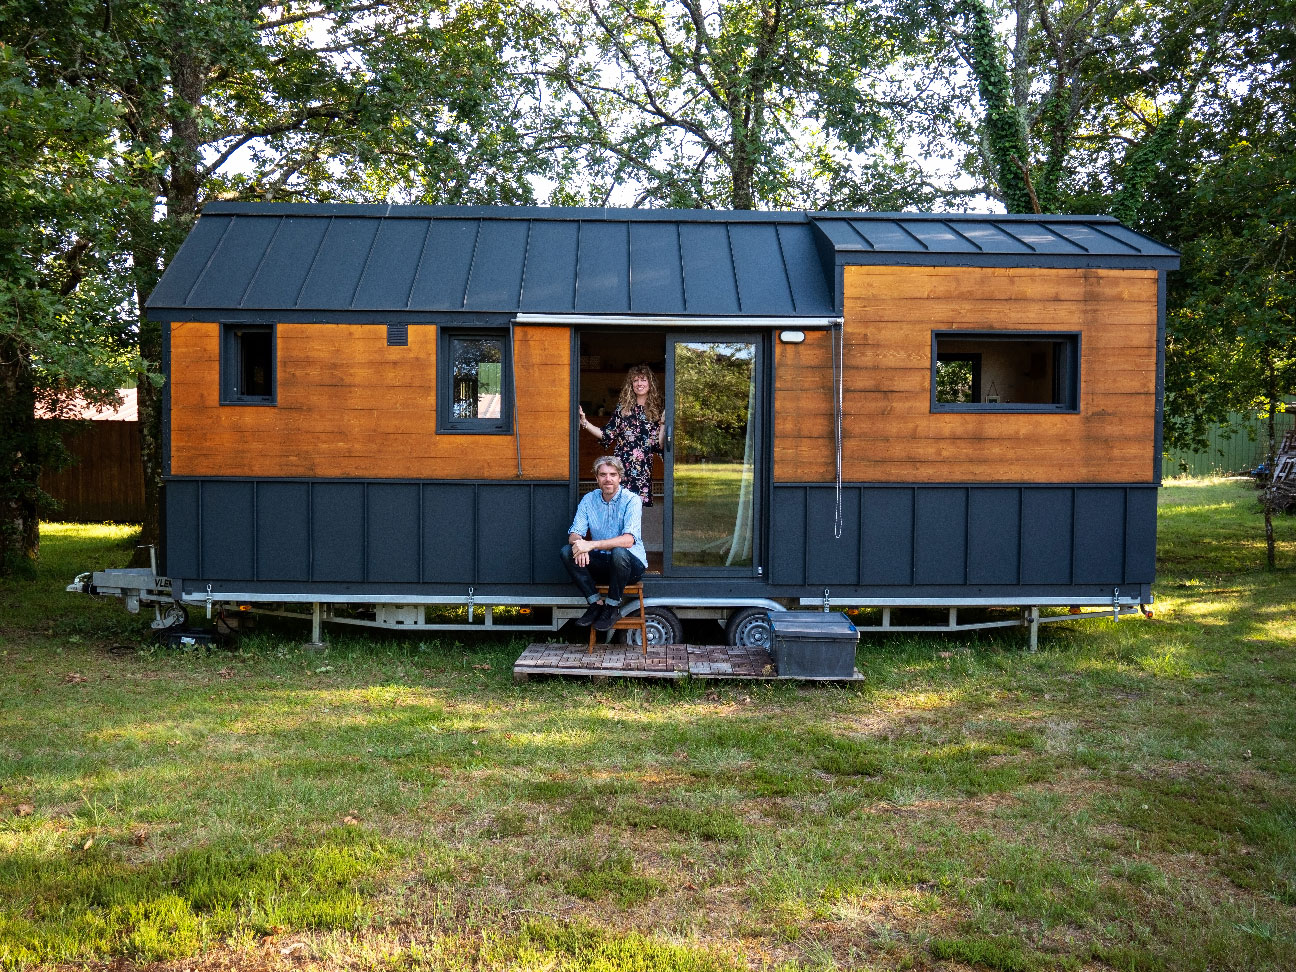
{"type": "Point", "coordinates": [153, 243]}
{"type": "Point", "coordinates": [20, 452]}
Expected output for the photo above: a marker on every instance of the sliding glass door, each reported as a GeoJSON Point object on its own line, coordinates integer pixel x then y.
{"type": "Point", "coordinates": [713, 461]}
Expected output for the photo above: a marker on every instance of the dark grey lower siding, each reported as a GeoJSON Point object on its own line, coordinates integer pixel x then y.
{"type": "Point", "coordinates": [926, 537]}
{"type": "Point", "coordinates": [933, 542]}
{"type": "Point", "coordinates": [305, 535]}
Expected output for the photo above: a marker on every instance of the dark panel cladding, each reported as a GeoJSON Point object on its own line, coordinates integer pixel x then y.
{"type": "Point", "coordinates": [283, 531]}
{"type": "Point", "coordinates": [393, 532]}
{"type": "Point", "coordinates": [888, 523]}
{"type": "Point", "coordinates": [227, 540]}
{"type": "Point", "coordinates": [994, 535]}
{"type": "Point", "coordinates": [552, 514]}
{"type": "Point", "coordinates": [449, 545]}
{"type": "Point", "coordinates": [1046, 536]}
{"type": "Point", "coordinates": [921, 541]}
{"type": "Point", "coordinates": [503, 531]}
{"type": "Point", "coordinates": [812, 287]}
{"type": "Point", "coordinates": [831, 559]}
{"type": "Point", "coordinates": [1100, 535]}
{"type": "Point", "coordinates": [787, 536]}
{"type": "Point", "coordinates": [940, 536]}
{"type": "Point", "coordinates": [1140, 534]}
{"type": "Point", "coordinates": [182, 519]}
{"type": "Point", "coordinates": [337, 531]}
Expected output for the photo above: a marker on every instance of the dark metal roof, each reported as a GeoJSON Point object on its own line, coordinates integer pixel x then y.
{"type": "Point", "coordinates": [309, 259]}
{"type": "Point", "coordinates": [992, 240]}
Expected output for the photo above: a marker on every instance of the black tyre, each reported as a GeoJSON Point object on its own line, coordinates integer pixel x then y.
{"type": "Point", "coordinates": [749, 628]}
{"type": "Point", "coordinates": [663, 628]}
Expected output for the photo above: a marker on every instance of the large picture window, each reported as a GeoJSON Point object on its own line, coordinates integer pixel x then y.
{"type": "Point", "coordinates": [474, 381]}
{"type": "Point", "coordinates": [1017, 372]}
{"type": "Point", "coordinates": [247, 364]}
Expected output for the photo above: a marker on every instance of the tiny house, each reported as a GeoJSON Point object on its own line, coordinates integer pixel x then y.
{"type": "Point", "coordinates": [370, 410]}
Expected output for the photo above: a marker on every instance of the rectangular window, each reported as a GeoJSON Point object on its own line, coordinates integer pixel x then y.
{"type": "Point", "coordinates": [474, 381]}
{"type": "Point", "coordinates": [998, 372]}
{"type": "Point", "coordinates": [247, 365]}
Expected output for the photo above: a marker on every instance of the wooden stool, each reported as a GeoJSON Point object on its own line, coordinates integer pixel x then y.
{"type": "Point", "coordinates": [631, 622]}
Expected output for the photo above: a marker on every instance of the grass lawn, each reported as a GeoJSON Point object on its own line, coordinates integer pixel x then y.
{"type": "Point", "coordinates": [1125, 798]}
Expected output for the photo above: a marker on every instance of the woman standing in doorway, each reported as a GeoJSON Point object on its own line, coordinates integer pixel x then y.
{"type": "Point", "coordinates": [636, 427]}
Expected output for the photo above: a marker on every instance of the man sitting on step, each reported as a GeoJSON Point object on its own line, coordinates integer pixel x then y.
{"type": "Point", "coordinates": [614, 553]}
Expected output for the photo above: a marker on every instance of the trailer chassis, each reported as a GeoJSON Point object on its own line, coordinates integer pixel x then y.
{"type": "Point", "coordinates": [144, 587]}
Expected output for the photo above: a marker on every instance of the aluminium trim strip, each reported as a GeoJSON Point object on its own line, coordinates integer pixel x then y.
{"type": "Point", "coordinates": [641, 320]}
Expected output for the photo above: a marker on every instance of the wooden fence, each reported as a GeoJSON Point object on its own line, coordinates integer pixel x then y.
{"type": "Point", "coordinates": [106, 481]}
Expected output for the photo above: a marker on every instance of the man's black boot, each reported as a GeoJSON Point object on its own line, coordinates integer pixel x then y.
{"type": "Point", "coordinates": [610, 615]}
{"type": "Point", "coordinates": [591, 615]}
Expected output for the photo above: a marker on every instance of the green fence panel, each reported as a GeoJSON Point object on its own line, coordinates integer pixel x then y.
{"type": "Point", "coordinates": [1227, 454]}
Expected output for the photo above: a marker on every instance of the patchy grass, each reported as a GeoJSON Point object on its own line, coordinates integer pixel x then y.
{"type": "Point", "coordinates": [1121, 799]}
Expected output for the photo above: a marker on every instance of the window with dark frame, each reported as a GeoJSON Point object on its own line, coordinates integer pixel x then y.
{"type": "Point", "coordinates": [474, 381]}
{"type": "Point", "coordinates": [994, 371]}
{"type": "Point", "coordinates": [247, 365]}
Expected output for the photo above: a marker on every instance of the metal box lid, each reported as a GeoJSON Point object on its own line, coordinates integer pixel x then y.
{"type": "Point", "coordinates": [832, 625]}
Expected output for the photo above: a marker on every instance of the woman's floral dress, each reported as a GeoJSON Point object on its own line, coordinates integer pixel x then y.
{"type": "Point", "coordinates": [636, 440]}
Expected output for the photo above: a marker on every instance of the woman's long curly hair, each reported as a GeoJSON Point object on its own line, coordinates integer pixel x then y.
{"type": "Point", "coordinates": [653, 404]}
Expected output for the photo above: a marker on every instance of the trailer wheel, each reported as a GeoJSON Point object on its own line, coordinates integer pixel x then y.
{"type": "Point", "coordinates": [663, 628]}
{"type": "Point", "coordinates": [749, 628]}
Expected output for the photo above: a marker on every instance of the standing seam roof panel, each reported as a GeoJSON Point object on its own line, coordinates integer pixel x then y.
{"type": "Point", "coordinates": [656, 275]}
{"type": "Point", "coordinates": [812, 286]}
{"type": "Point", "coordinates": [442, 278]}
{"type": "Point", "coordinates": [709, 284]}
{"type": "Point", "coordinates": [235, 260]}
{"type": "Point", "coordinates": [389, 272]}
{"type": "Point", "coordinates": [341, 260]}
{"type": "Point", "coordinates": [189, 262]}
{"type": "Point", "coordinates": [759, 269]}
{"type": "Point", "coordinates": [495, 282]}
{"type": "Point", "coordinates": [549, 279]}
{"type": "Point", "coordinates": [281, 274]}
{"type": "Point", "coordinates": [604, 261]}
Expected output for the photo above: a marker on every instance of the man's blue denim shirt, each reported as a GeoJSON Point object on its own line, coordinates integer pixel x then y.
{"type": "Point", "coordinates": [605, 520]}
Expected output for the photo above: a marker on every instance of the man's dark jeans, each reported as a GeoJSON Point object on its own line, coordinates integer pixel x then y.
{"type": "Point", "coordinates": [615, 568]}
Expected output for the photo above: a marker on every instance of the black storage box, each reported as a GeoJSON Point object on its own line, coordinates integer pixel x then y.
{"type": "Point", "coordinates": [813, 644]}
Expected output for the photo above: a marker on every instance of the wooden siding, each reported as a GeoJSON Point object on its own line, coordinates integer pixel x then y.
{"type": "Point", "coordinates": [350, 407]}
{"type": "Point", "coordinates": [891, 434]}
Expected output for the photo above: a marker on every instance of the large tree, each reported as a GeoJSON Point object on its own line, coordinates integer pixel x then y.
{"type": "Point", "coordinates": [365, 100]}
{"type": "Point", "coordinates": [62, 330]}
{"type": "Point", "coordinates": [720, 103]}
{"type": "Point", "coordinates": [1080, 102]}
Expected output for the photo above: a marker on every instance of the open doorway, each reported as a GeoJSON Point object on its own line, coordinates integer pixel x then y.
{"type": "Point", "coordinates": [605, 358]}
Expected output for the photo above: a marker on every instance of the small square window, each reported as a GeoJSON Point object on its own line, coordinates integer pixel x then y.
{"type": "Point", "coordinates": [474, 382]}
{"type": "Point", "coordinates": [1017, 372]}
{"type": "Point", "coordinates": [247, 365]}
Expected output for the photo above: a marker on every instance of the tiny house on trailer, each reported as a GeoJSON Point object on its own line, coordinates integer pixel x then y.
{"type": "Point", "coordinates": [370, 410]}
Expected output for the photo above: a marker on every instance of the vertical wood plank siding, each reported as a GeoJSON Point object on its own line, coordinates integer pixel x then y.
{"type": "Point", "coordinates": [891, 434]}
{"type": "Point", "coordinates": [106, 482]}
{"type": "Point", "coordinates": [350, 406]}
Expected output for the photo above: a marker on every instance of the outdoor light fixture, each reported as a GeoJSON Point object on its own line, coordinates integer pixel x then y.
{"type": "Point", "coordinates": [792, 337]}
